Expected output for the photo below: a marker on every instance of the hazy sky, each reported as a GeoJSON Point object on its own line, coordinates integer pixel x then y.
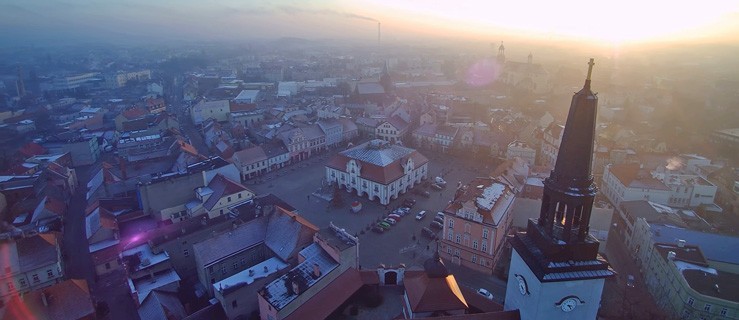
{"type": "Point", "coordinates": [605, 21]}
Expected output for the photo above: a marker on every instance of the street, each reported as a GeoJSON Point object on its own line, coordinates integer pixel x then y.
{"type": "Point", "coordinates": [294, 183]}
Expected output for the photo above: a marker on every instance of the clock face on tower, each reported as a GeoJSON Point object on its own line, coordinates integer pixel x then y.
{"type": "Point", "coordinates": [569, 303]}
{"type": "Point", "coordinates": [523, 288]}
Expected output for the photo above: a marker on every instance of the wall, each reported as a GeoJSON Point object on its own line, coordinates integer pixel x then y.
{"type": "Point", "coordinates": [537, 303]}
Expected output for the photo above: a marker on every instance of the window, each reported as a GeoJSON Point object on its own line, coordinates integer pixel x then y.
{"type": "Point", "coordinates": [377, 189]}
{"type": "Point", "coordinates": [186, 253]}
{"type": "Point", "coordinates": [228, 199]}
{"type": "Point", "coordinates": [724, 311]}
{"type": "Point", "coordinates": [235, 265]}
{"type": "Point", "coordinates": [239, 195]}
{"type": "Point", "coordinates": [451, 223]}
{"type": "Point", "coordinates": [482, 261]}
{"type": "Point", "coordinates": [449, 250]}
{"type": "Point", "coordinates": [107, 266]}
{"type": "Point", "coordinates": [459, 239]}
{"type": "Point", "coordinates": [474, 258]}
{"type": "Point", "coordinates": [456, 252]}
{"type": "Point", "coordinates": [474, 244]}
{"type": "Point", "coordinates": [22, 282]}
{"type": "Point", "coordinates": [223, 269]}
{"type": "Point", "coordinates": [707, 307]}
{"type": "Point", "coordinates": [484, 234]}
{"type": "Point", "coordinates": [451, 235]}
{"type": "Point", "coordinates": [484, 247]}
{"type": "Point", "coordinates": [49, 273]}
{"type": "Point", "coordinates": [690, 301]}
{"type": "Point", "coordinates": [234, 304]}
{"type": "Point", "coordinates": [36, 278]}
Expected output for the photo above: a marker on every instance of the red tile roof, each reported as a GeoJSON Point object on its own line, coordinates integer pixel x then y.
{"type": "Point", "coordinates": [31, 149]}
{"type": "Point", "coordinates": [251, 155]}
{"type": "Point", "coordinates": [434, 294]}
{"type": "Point", "coordinates": [631, 175]}
{"type": "Point", "coordinates": [66, 300]}
{"type": "Point", "coordinates": [222, 187]}
{"type": "Point", "coordinates": [242, 107]}
{"type": "Point", "coordinates": [105, 255]}
{"type": "Point", "coordinates": [134, 113]}
{"type": "Point", "coordinates": [328, 299]}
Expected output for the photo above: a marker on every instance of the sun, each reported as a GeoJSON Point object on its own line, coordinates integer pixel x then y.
{"type": "Point", "coordinates": [605, 21]}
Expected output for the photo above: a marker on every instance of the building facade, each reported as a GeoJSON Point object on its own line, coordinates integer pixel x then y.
{"type": "Point", "coordinates": [378, 170]}
{"type": "Point", "coordinates": [476, 223]}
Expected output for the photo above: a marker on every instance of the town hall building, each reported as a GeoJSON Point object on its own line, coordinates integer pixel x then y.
{"type": "Point", "coordinates": [378, 170]}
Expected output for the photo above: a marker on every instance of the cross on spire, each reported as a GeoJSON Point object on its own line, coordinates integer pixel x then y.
{"type": "Point", "coordinates": [590, 68]}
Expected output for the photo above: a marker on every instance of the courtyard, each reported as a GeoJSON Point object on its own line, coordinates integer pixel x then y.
{"type": "Point", "coordinates": [403, 242]}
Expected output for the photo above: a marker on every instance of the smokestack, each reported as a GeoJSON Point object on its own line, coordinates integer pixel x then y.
{"type": "Point", "coordinates": [379, 33]}
{"type": "Point", "coordinates": [19, 86]}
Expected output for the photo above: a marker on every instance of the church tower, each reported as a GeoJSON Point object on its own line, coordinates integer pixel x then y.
{"type": "Point", "coordinates": [555, 271]}
{"type": "Point", "coordinates": [501, 54]}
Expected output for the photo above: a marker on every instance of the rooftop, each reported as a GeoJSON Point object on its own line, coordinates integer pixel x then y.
{"type": "Point", "coordinates": [248, 276]}
{"type": "Point", "coordinates": [715, 247]}
{"type": "Point", "coordinates": [69, 299]}
{"type": "Point", "coordinates": [279, 293]}
{"type": "Point", "coordinates": [147, 258]}
{"type": "Point", "coordinates": [242, 237]}
{"type": "Point", "coordinates": [146, 285]}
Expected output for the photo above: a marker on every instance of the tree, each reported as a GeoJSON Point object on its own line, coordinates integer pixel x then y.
{"type": "Point", "coordinates": [336, 200]}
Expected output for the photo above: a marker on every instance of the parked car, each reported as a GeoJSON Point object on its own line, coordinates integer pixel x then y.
{"type": "Point", "coordinates": [383, 225]}
{"type": "Point", "coordinates": [440, 215]}
{"type": "Point", "coordinates": [378, 229]}
{"type": "Point", "coordinates": [422, 193]}
{"type": "Point", "coordinates": [389, 221]}
{"type": "Point", "coordinates": [440, 181]}
{"type": "Point", "coordinates": [428, 233]}
{"type": "Point", "coordinates": [437, 187]}
{"type": "Point", "coordinates": [409, 202]}
{"type": "Point", "coordinates": [420, 215]}
{"type": "Point", "coordinates": [485, 293]}
{"type": "Point", "coordinates": [394, 216]}
{"type": "Point", "coordinates": [403, 211]}
{"type": "Point", "coordinates": [439, 220]}
{"type": "Point", "coordinates": [436, 225]}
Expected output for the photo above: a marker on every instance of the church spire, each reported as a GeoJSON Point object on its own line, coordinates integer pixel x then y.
{"type": "Point", "coordinates": [569, 191]}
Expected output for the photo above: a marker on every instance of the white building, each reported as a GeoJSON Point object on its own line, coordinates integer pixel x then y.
{"type": "Point", "coordinates": [550, 145]}
{"type": "Point", "coordinates": [218, 110]}
{"type": "Point", "coordinates": [628, 182]}
{"type": "Point", "coordinates": [247, 96]}
{"type": "Point", "coordinates": [519, 149]}
{"type": "Point", "coordinates": [378, 170]}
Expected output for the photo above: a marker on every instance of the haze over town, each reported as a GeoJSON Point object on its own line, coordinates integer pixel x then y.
{"type": "Point", "coordinates": [369, 159]}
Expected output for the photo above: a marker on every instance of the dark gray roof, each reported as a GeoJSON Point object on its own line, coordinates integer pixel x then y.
{"type": "Point", "coordinates": [277, 292]}
{"type": "Point", "coordinates": [158, 305]}
{"type": "Point", "coordinates": [715, 247]}
{"type": "Point", "coordinates": [378, 152]}
{"type": "Point", "coordinates": [246, 235]}
{"type": "Point", "coordinates": [283, 235]}
{"type": "Point", "coordinates": [36, 252]}
{"type": "Point", "coordinates": [370, 88]}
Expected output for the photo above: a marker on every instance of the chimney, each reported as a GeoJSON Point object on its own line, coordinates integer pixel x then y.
{"type": "Point", "coordinates": [44, 299]}
{"type": "Point", "coordinates": [379, 33]}
{"type": "Point", "coordinates": [266, 269]}
{"type": "Point", "coordinates": [124, 174]}
{"type": "Point", "coordinates": [251, 272]}
{"type": "Point", "coordinates": [296, 287]}
{"type": "Point", "coordinates": [671, 255]}
{"type": "Point", "coordinates": [316, 271]}
{"type": "Point", "coordinates": [681, 243]}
